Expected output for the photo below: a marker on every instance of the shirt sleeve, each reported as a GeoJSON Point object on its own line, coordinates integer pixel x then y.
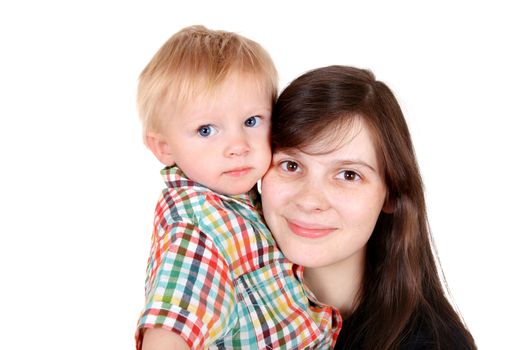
{"type": "Point", "coordinates": [189, 289]}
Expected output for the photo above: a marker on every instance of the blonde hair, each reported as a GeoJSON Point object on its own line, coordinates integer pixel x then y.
{"type": "Point", "coordinates": [193, 61]}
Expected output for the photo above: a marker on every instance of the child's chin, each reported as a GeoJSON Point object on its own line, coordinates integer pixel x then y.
{"type": "Point", "coordinates": [237, 191]}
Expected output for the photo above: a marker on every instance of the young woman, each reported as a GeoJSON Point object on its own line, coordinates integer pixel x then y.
{"type": "Point", "coordinates": [344, 198]}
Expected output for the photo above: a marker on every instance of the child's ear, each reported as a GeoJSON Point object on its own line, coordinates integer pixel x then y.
{"type": "Point", "coordinates": [160, 147]}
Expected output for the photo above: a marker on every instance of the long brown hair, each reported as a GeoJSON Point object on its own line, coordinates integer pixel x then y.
{"type": "Point", "coordinates": [401, 287]}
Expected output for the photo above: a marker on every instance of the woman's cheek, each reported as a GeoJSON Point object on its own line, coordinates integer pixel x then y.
{"type": "Point", "coordinates": [273, 195]}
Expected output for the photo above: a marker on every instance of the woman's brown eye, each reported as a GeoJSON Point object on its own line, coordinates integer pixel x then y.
{"type": "Point", "coordinates": [289, 166]}
{"type": "Point", "coordinates": [348, 175]}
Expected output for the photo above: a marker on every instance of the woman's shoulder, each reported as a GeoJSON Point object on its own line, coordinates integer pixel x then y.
{"type": "Point", "coordinates": [423, 336]}
{"type": "Point", "coordinates": [420, 334]}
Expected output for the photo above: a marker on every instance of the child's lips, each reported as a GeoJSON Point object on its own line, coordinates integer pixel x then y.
{"type": "Point", "coordinates": [237, 172]}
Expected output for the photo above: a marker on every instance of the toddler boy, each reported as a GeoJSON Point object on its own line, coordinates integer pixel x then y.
{"type": "Point", "coordinates": [215, 277]}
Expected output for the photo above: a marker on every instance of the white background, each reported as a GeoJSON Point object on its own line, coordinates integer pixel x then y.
{"type": "Point", "coordinates": [78, 188]}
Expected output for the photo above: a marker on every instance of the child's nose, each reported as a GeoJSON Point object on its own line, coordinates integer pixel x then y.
{"type": "Point", "coordinates": [237, 146]}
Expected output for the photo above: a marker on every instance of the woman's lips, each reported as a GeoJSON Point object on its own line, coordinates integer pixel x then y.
{"type": "Point", "coordinates": [309, 230]}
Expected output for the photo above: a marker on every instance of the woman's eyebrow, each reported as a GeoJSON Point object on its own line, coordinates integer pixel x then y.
{"type": "Point", "coordinates": [350, 162]}
{"type": "Point", "coordinates": [288, 152]}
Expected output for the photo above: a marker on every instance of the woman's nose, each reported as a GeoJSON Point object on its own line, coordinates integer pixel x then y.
{"type": "Point", "coordinates": [311, 198]}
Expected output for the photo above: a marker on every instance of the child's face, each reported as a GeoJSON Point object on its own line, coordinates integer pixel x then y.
{"type": "Point", "coordinates": [223, 141]}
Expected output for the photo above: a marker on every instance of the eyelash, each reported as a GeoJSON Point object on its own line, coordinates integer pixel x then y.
{"type": "Point", "coordinates": [352, 173]}
{"type": "Point", "coordinates": [286, 165]}
{"type": "Point", "coordinates": [202, 130]}
{"type": "Point", "coordinates": [257, 119]}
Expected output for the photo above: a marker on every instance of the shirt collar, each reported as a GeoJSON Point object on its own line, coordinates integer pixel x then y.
{"type": "Point", "coordinates": [337, 319]}
{"type": "Point", "coordinates": [175, 178]}
{"type": "Point", "coordinates": [299, 273]}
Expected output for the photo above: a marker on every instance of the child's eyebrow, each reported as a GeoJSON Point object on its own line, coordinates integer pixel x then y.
{"type": "Point", "coordinates": [260, 110]}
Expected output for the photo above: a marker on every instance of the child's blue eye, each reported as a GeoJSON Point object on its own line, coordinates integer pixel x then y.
{"type": "Point", "coordinates": [252, 121]}
{"type": "Point", "coordinates": [206, 130]}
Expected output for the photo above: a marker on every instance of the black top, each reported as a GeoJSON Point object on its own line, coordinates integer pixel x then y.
{"type": "Point", "coordinates": [420, 338]}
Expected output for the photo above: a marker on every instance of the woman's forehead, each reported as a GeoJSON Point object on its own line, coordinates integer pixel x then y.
{"type": "Point", "coordinates": [354, 143]}
{"type": "Point", "coordinates": [335, 136]}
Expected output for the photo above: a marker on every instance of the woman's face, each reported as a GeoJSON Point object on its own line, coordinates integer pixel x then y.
{"type": "Point", "coordinates": [322, 208]}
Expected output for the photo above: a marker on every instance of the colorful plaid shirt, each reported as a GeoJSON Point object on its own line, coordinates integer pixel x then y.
{"type": "Point", "coordinates": [216, 277]}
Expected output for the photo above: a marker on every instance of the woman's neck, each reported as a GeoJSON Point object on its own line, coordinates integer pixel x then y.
{"type": "Point", "coordinates": [338, 284]}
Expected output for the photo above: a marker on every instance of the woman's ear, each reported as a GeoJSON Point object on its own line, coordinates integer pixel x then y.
{"type": "Point", "coordinates": [388, 205]}
{"type": "Point", "coordinates": [159, 146]}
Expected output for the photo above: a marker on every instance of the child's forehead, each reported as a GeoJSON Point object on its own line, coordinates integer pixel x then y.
{"type": "Point", "coordinates": [241, 93]}
{"type": "Point", "coordinates": [209, 89]}
{"type": "Point", "coordinates": [232, 80]}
